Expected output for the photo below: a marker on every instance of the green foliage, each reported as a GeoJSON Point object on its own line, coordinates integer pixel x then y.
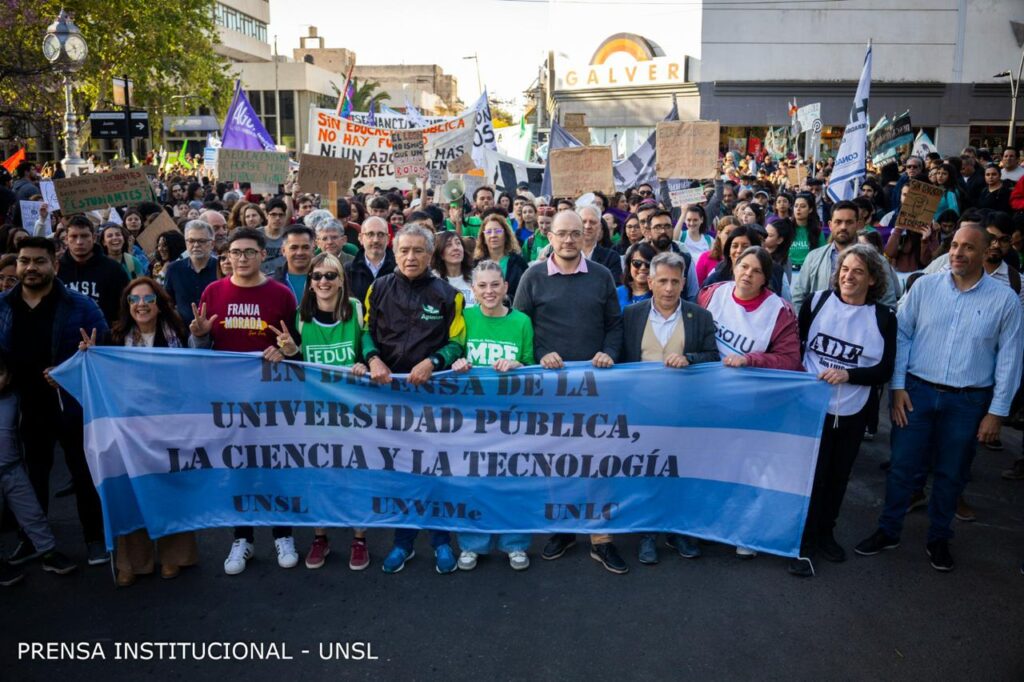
{"type": "Point", "coordinates": [166, 48]}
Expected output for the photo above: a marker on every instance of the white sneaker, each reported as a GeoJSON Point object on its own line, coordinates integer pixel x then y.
{"type": "Point", "coordinates": [241, 552]}
{"type": "Point", "coordinates": [745, 553]}
{"type": "Point", "coordinates": [287, 557]}
{"type": "Point", "coordinates": [467, 561]}
{"type": "Point", "coordinates": [518, 560]}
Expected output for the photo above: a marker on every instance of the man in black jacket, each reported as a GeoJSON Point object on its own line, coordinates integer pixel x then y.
{"type": "Point", "coordinates": [84, 268]}
{"type": "Point", "coordinates": [374, 259]}
{"type": "Point", "coordinates": [592, 250]}
{"type": "Point", "coordinates": [667, 329]}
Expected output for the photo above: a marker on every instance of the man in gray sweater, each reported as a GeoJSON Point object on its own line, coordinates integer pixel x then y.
{"type": "Point", "coordinates": [576, 316]}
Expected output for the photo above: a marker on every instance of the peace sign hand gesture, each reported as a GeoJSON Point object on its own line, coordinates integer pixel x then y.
{"type": "Point", "coordinates": [284, 339]}
{"type": "Point", "coordinates": [88, 341]}
{"type": "Point", "coordinates": [200, 325]}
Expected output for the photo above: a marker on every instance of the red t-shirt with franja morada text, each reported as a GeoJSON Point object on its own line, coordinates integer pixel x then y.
{"type": "Point", "coordinates": [244, 313]}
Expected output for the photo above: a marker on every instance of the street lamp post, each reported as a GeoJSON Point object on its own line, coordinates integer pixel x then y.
{"type": "Point", "coordinates": [64, 47]}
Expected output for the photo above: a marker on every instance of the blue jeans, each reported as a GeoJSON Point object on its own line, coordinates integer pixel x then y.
{"type": "Point", "coordinates": [405, 537]}
{"type": "Point", "coordinates": [942, 430]}
{"type": "Point", "coordinates": [481, 542]}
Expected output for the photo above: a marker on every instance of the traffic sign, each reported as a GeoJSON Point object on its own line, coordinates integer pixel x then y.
{"type": "Point", "coordinates": [110, 124]}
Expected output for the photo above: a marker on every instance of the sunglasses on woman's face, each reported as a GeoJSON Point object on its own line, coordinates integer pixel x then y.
{"type": "Point", "coordinates": [135, 299]}
{"type": "Point", "coordinates": [636, 263]}
{"type": "Point", "coordinates": [329, 276]}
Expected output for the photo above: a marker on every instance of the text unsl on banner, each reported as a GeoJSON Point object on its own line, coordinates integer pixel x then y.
{"type": "Point", "coordinates": [248, 443]}
{"type": "Point", "coordinates": [578, 170]}
{"type": "Point", "coordinates": [687, 149]}
{"type": "Point", "coordinates": [917, 211]}
{"type": "Point", "coordinates": [263, 170]}
{"type": "Point", "coordinates": [317, 172]}
{"type": "Point", "coordinates": [93, 191]}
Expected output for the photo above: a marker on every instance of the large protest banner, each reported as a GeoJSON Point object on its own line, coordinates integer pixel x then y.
{"type": "Point", "coordinates": [244, 442]}
{"type": "Point", "coordinates": [317, 172]}
{"type": "Point", "coordinates": [92, 191]}
{"type": "Point", "coordinates": [263, 170]}
{"type": "Point", "coordinates": [687, 149]}
{"type": "Point", "coordinates": [370, 146]}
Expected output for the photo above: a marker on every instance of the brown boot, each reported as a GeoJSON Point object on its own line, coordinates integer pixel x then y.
{"type": "Point", "coordinates": [125, 578]}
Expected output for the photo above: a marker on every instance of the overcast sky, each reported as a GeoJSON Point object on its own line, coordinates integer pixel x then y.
{"type": "Point", "coordinates": [510, 37]}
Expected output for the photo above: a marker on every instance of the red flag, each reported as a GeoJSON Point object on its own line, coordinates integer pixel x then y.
{"type": "Point", "coordinates": [13, 160]}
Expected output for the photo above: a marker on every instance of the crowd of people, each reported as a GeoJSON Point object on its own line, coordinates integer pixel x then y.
{"type": "Point", "coordinates": [758, 274]}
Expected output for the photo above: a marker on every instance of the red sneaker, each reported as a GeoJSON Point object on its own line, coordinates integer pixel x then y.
{"type": "Point", "coordinates": [360, 556]}
{"type": "Point", "coordinates": [318, 552]}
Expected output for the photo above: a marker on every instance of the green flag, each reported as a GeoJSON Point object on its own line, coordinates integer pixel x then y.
{"type": "Point", "coordinates": [182, 154]}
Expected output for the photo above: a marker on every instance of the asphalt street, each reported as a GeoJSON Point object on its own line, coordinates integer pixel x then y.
{"type": "Point", "coordinates": [717, 617]}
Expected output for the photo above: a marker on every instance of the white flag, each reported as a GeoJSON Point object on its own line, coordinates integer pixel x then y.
{"type": "Point", "coordinates": [851, 161]}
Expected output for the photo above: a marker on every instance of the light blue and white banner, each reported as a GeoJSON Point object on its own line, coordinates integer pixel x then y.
{"type": "Point", "coordinates": [188, 439]}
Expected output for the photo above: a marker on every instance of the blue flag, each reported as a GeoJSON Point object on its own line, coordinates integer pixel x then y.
{"type": "Point", "coordinates": [243, 128]}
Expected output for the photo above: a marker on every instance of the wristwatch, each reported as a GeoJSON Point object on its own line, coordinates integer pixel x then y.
{"type": "Point", "coordinates": [437, 361]}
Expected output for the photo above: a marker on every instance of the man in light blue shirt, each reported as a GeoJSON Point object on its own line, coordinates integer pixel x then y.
{"type": "Point", "coordinates": [958, 363]}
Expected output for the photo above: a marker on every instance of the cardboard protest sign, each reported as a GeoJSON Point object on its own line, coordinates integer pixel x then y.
{"type": "Point", "coordinates": [796, 176]}
{"type": "Point", "coordinates": [687, 149]}
{"type": "Point", "coordinates": [438, 176]}
{"type": "Point", "coordinates": [462, 164]}
{"type": "Point", "coordinates": [371, 147]}
{"type": "Point", "coordinates": [263, 170]}
{"type": "Point", "coordinates": [29, 216]}
{"type": "Point", "coordinates": [93, 191]}
{"type": "Point", "coordinates": [49, 194]}
{"type": "Point", "coordinates": [681, 197]}
{"type": "Point", "coordinates": [407, 153]}
{"type": "Point", "coordinates": [317, 172]}
{"type": "Point", "coordinates": [918, 209]}
{"type": "Point", "coordinates": [151, 233]}
{"type": "Point", "coordinates": [578, 170]}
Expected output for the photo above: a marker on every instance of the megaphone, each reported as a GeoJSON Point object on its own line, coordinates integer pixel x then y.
{"type": "Point", "coordinates": [453, 190]}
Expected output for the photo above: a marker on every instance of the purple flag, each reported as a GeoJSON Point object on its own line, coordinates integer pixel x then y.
{"type": "Point", "coordinates": [243, 128]}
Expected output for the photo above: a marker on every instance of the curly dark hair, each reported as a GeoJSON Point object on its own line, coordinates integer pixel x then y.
{"type": "Point", "coordinates": [877, 270]}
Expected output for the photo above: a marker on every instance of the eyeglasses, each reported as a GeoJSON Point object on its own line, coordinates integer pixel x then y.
{"type": "Point", "coordinates": [197, 242]}
{"type": "Point", "coordinates": [375, 235]}
{"type": "Point", "coordinates": [646, 193]}
{"type": "Point", "coordinates": [497, 232]}
{"type": "Point", "coordinates": [574, 234]}
{"type": "Point", "coordinates": [248, 254]}
{"type": "Point", "coordinates": [135, 299]}
{"type": "Point", "coordinates": [329, 276]}
{"type": "Point", "coordinates": [639, 264]}
{"type": "Point", "coordinates": [661, 228]}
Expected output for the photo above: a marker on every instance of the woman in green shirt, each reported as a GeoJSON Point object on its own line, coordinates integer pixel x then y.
{"type": "Point", "coordinates": [503, 339]}
{"type": "Point", "coordinates": [807, 234]}
{"type": "Point", "coordinates": [330, 325]}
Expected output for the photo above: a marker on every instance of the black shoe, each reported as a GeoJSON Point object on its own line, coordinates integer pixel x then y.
{"type": "Point", "coordinates": [609, 558]}
{"type": "Point", "coordinates": [830, 549]}
{"type": "Point", "coordinates": [66, 491]}
{"type": "Point", "coordinates": [9, 575]}
{"type": "Point", "coordinates": [938, 552]}
{"type": "Point", "coordinates": [23, 553]}
{"type": "Point", "coordinates": [557, 545]}
{"type": "Point", "coordinates": [684, 544]}
{"type": "Point", "coordinates": [98, 554]}
{"type": "Point", "coordinates": [878, 542]}
{"type": "Point", "coordinates": [801, 567]}
{"type": "Point", "coordinates": [55, 562]}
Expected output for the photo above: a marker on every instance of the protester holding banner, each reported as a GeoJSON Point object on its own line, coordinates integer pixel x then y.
{"type": "Point", "coordinates": [500, 338]}
{"type": "Point", "coordinates": [147, 319]}
{"type": "Point", "coordinates": [374, 259]}
{"type": "Point", "coordinates": [498, 243]}
{"type": "Point", "coordinates": [453, 263]}
{"type": "Point", "coordinates": [848, 338]}
{"type": "Point", "coordinates": [414, 325]}
{"type": "Point", "coordinates": [114, 240]}
{"type": "Point", "coordinates": [576, 316]}
{"type": "Point", "coordinates": [910, 250]}
{"type": "Point", "coordinates": [940, 409]}
{"type": "Point", "coordinates": [246, 304]}
{"type": "Point", "coordinates": [40, 323]}
{"type": "Point", "coordinates": [85, 269]}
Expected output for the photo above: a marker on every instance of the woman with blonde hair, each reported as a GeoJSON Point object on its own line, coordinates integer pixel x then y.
{"type": "Point", "coordinates": [498, 243]}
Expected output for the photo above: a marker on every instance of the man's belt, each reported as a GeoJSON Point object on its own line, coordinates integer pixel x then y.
{"type": "Point", "coordinates": [942, 388]}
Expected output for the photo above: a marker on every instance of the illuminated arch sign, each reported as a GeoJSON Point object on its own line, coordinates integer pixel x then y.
{"type": "Point", "coordinates": [624, 60]}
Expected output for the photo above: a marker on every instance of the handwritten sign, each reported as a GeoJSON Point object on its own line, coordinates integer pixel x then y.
{"type": "Point", "coordinates": [461, 164]}
{"type": "Point", "coordinates": [160, 223]}
{"type": "Point", "coordinates": [407, 153]}
{"type": "Point", "coordinates": [263, 170]}
{"type": "Point", "coordinates": [317, 172]}
{"type": "Point", "coordinates": [796, 176]}
{"type": "Point", "coordinates": [578, 170]}
{"type": "Point", "coordinates": [438, 176]}
{"type": "Point", "coordinates": [687, 149]}
{"type": "Point", "coordinates": [918, 209]}
{"type": "Point", "coordinates": [682, 197]}
{"type": "Point", "coordinates": [49, 194]}
{"type": "Point", "coordinates": [94, 191]}
{"type": "Point", "coordinates": [29, 216]}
